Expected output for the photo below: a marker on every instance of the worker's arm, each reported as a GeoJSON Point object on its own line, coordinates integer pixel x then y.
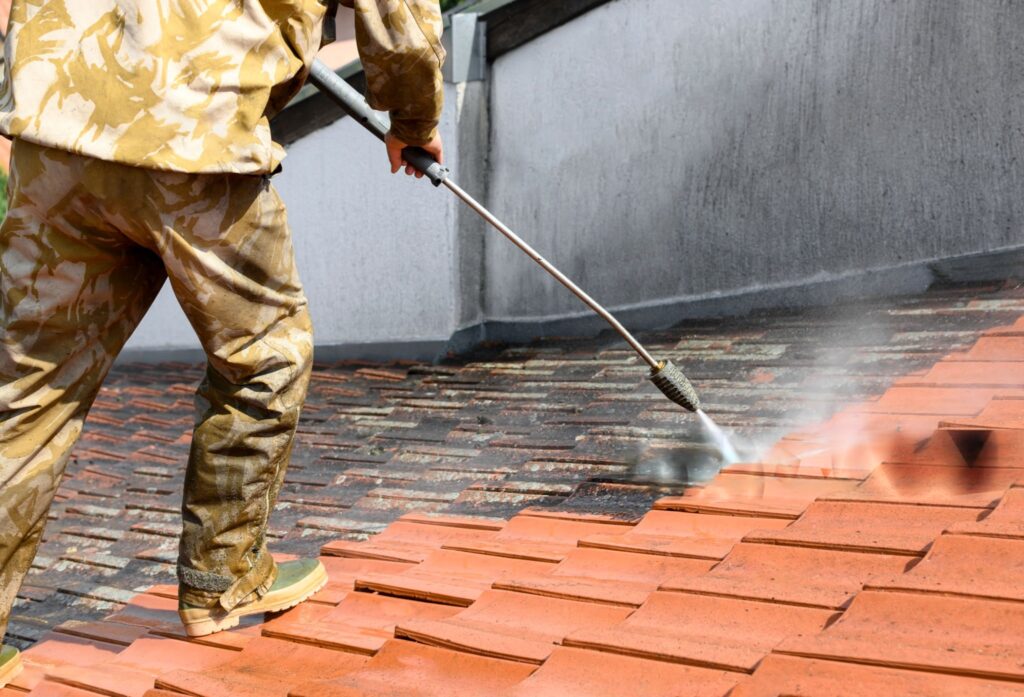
{"type": "Point", "coordinates": [399, 44]}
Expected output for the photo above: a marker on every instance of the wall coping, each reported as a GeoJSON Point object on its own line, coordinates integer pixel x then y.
{"type": "Point", "coordinates": [510, 24]}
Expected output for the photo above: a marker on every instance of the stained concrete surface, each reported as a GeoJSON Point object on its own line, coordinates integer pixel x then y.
{"type": "Point", "coordinates": [666, 149]}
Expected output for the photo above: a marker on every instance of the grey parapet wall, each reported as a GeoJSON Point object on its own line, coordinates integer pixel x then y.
{"type": "Point", "coordinates": [678, 158]}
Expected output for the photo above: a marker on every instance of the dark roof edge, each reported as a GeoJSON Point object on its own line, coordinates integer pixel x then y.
{"type": "Point", "coordinates": [510, 24]}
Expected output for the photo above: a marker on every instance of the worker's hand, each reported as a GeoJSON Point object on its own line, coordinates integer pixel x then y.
{"type": "Point", "coordinates": [395, 147]}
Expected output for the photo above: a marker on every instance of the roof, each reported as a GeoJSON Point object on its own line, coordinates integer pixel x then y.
{"type": "Point", "coordinates": [557, 528]}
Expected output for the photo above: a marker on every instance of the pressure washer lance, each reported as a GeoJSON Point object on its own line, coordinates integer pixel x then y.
{"type": "Point", "coordinates": [666, 376]}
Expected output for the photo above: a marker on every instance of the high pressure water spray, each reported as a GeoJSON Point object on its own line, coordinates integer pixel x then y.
{"type": "Point", "coordinates": [666, 376]}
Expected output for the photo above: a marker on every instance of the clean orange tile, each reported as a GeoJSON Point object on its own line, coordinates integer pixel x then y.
{"type": "Point", "coordinates": [971, 487]}
{"type": "Point", "coordinates": [970, 565]}
{"type": "Point", "coordinates": [60, 649]}
{"type": "Point", "coordinates": [512, 626]}
{"type": "Point", "coordinates": [57, 650]}
{"type": "Point", "coordinates": [794, 575]}
{"type": "Point", "coordinates": [721, 633]}
{"type": "Point", "coordinates": [407, 669]}
{"type": "Point", "coordinates": [751, 494]}
{"type": "Point", "coordinates": [537, 538]}
{"type": "Point", "coordinates": [849, 424]}
{"type": "Point", "coordinates": [868, 526]}
{"type": "Point", "coordinates": [1001, 412]}
{"type": "Point", "coordinates": [1006, 520]}
{"type": "Point", "coordinates": [49, 688]}
{"type": "Point", "coordinates": [450, 577]}
{"type": "Point", "coordinates": [107, 631]}
{"type": "Point", "coordinates": [407, 541]}
{"type": "Point", "coordinates": [148, 610]}
{"type": "Point", "coordinates": [993, 349]}
{"type": "Point", "coordinates": [970, 374]}
{"type": "Point", "coordinates": [970, 447]}
{"type": "Point", "coordinates": [780, 676]}
{"type": "Point", "coordinates": [731, 505]}
{"type": "Point", "coordinates": [939, 401]}
{"type": "Point", "coordinates": [266, 667]}
{"type": "Point", "coordinates": [581, 673]}
{"type": "Point", "coordinates": [133, 672]}
{"type": "Point", "coordinates": [342, 573]}
{"type": "Point", "coordinates": [809, 470]}
{"type": "Point", "coordinates": [680, 534]}
{"type": "Point", "coordinates": [361, 623]}
{"type": "Point", "coordinates": [606, 576]}
{"type": "Point", "coordinates": [965, 636]}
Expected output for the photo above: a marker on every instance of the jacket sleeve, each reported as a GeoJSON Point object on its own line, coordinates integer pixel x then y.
{"type": "Point", "coordinates": [399, 44]}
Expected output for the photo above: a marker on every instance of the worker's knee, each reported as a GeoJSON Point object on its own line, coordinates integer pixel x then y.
{"type": "Point", "coordinates": [267, 371]}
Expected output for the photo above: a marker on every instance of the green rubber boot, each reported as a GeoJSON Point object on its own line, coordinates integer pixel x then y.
{"type": "Point", "coordinates": [296, 581]}
{"type": "Point", "coordinates": [10, 664]}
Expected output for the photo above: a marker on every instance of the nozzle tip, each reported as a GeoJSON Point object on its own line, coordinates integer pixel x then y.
{"type": "Point", "coordinates": [674, 385]}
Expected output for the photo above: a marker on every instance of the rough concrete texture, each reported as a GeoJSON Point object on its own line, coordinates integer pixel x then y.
{"type": "Point", "coordinates": [660, 149]}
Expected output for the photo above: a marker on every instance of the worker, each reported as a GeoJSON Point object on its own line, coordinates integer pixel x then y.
{"type": "Point", "coordinates": [142, 152]}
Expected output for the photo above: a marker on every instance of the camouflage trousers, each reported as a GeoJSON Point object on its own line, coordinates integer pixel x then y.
{"type": "Point", "coordinates": [85, 248]}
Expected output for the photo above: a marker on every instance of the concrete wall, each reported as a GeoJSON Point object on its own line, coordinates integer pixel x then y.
{"type": "Point", "coordinates": [667, 151]}
{"type": "Point", "coordinates": [709, 147]}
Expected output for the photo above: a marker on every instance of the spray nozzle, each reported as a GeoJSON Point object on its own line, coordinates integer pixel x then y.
{"type": "Point", "coordinates": [671, 381]}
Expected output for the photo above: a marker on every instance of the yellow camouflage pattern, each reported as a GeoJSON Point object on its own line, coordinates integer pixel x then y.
{"type": "Point", "coordinates": [85, 248]}
{"type": "Point", "coordinates": [190, 85]}
{"type": "Point", "coordinates": [399, 45]}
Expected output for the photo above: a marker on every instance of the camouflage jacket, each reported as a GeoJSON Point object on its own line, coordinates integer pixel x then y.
{"type": "Point", "coordinates": [190, 85]}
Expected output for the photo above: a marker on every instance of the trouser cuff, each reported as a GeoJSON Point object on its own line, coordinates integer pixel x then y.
{"type": "Point", "coordinates": [205, 588]}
